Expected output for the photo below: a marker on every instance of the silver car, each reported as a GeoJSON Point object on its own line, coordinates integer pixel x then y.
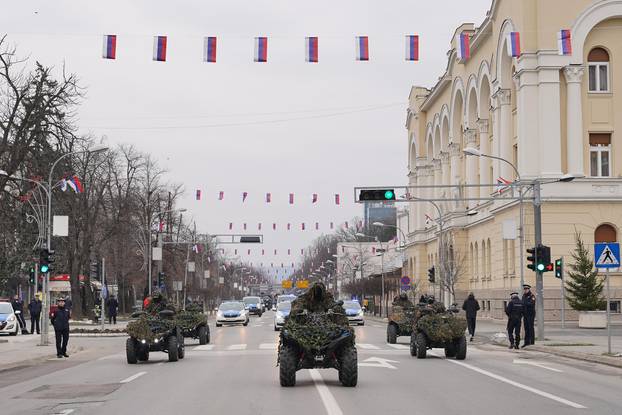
{"type": "Point", "coordinates": [282, 310]}
{"type": "Point", "coordinates": [354, 312]}
{"type": "Point", "coordinates": [8, 319]}
{"type": "Point", "coordinates": [232, 312]}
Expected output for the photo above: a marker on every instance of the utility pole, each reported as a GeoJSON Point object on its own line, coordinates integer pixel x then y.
{"type": "Point", "coordinates": [537, 218]}
{"type": "Point", "coordinates": [104, 290]}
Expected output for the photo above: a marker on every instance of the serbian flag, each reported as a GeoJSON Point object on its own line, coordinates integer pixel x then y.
{"type": "Point", "coordinates": [337, 199]}
{"type": "Point", "coordinates": [311, 51]}
{"type": "Point", "coordinates": [314, 198]}
{"type": "Point", "coordinates": [244, 196]}
{"type": "Point", "coordinates": [259, 226]}
{"type": "Point", "coordinates": [274, 226]}
{"type": "Point", "coordinates": [291, 198]}
{"type": "Point", "coordinates": [221, 195]}
{"type": "Point", "coordinates": [428, 219]}
{"type": "Point", "coordinates": [268, 197]}
{"type": "Point", "coordinates": [244, 226]}
{"type": "Point", "coordinates": [514, 44]}
{"type": "Point", "coordinates": [198, 196]}
{"type": "Point", "coordinates": [303, 226]}
{"type": "Point", "coordinates": [362, 48]}
{"type": "Point", "coordinates": [159, 48]}
{"type": "Point", "coordinates": [289, 226]}
{"type": "Point", "coordinates": [230, 225]}
{"type": "Point", "coordinates": [464, 46]}
{"type": "Point", "coordinates": [412, 47]}
{"type": "Point", "coordinates": [503, 184]}
{"type": "Point", "coordinates": [275, 252]}
{"type": "Point", "coordinates": [289, 251]}
{"type": "Point", "coordinates": [209, 49]}
{"type": "Point", "coordinates": [75, 184]}
{"type": "Point", "coordinates": [332, 225]}
{"type": "Point", "coordinates": [261, 49]}
{"type": "Point", "coordinates": [564, 42]}
{"type": "Point", "coordinates": [110, 47]}
{"type": "Point", "coordinates": [317, 226]}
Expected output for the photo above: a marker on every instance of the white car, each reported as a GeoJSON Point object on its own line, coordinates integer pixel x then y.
{"type": "Point", "coordinates": [282, 311]}
{"type": "Point", "coordinates": [354, 312]}
{"type": "Point", "coordinates": [8, 320]}
{"type": "Point", "coordinates": [232, 312]}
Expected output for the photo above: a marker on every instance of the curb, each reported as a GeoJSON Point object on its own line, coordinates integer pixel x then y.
{"type": "Point", "coordinates": [39, 359]}
{"type": "Point", "coordinates": [98, 334]}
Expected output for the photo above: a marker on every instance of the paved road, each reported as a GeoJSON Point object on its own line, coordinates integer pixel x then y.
{"type": "Point", "coordinates": [236, 374]}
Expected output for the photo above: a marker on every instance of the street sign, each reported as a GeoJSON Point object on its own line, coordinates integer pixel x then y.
{"type": "Point", "coordinates": [405, 280]}
{"type": "Point", "coordinates": [302, 284]}
{"type": "Point", "coordinates": [286, 284]}
{"type": "Point", "coordinates": [607, 255]}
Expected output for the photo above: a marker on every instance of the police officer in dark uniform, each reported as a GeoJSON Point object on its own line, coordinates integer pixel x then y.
{"type": "Point", "coordinates": [529, 310]}
{"type": "Point", "coordinates": [514, 311]}
{"type": "Point", "coordinates": [60, 321]}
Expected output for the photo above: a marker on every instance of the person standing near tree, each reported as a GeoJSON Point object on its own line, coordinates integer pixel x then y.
{"type": "Point", "coordinates": [35, 314]}
{"type": "Point", "coordinates": [471, 306]}
{"type": "Point", "coordinates": [529, 310]}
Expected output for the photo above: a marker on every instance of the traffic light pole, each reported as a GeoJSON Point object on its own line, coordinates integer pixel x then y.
{"type": "Point", "coordinates": [537, 218]}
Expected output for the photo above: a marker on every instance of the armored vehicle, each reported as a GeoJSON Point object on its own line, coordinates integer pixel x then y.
{"type": "Point", "coordinates": [154, 334]}
{"type": "Point", "coordinates": [434, 327]}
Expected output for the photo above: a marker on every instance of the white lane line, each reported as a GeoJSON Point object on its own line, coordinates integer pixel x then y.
{"type": "Point", "coordinates": [519, 385]}
{"type": "Point", "coordinates": [268, 346]}
{"type": "Point", "coordinates": [329, 401]}
{"type": "Point", "coordinates": [131, 378]}
{"type": "Point", "coordinates": [65, 412]}
{"type": "Point", "coordinates": [367, 346]}
{"type": "Point", "coordinates": [237, 347]}
{"type": "Point", "coordinates": [112, 356]}
{"type": "Point", "coordinates": [537, 364]}
{"type": "Point", "coordinates": [205, 347]}
{"type": "Point", "coordinates": [399, 346]}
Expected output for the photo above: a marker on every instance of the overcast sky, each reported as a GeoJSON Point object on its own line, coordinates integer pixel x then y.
{"type": "Point", "coordinates": [285, 126]}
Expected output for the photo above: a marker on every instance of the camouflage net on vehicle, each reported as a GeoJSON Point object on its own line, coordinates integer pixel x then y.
{"type": "Point", "coordinates": [404, 317]}
{"type": "Point", "coordinates": [148, 327]}
{"type": "Point", "coordinates": [443, 327]}
{"type": "Point", "coordinates": [190, 318]}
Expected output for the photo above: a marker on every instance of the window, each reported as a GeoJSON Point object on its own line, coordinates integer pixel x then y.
{"type": "Point", "coordinates": [614, 306]}
{"type": "Point", "coordinates": [600, 154]}
{"type": "Point", "coordinates": [598, 69]}
{"type": "Point", "coordinates": [605, 233]}
{"type": "Point", "coordinates": [489, 260]}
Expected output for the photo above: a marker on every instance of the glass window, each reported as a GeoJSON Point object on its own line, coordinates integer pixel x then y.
{"type": "Point", "coordinates": [605, 233]}
{"type": "Point", "coordinates": [598, 70]}
{"type": "Point", "coordinates": [592, 72]}
{"type": "Point", "coordinates": [600, 149]}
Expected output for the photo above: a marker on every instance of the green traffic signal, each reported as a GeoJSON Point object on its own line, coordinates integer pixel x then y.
{"type": "Point", "coordinates": [44, 268]}
{"type": "Point", "coordinates": [389, 195]}
{"type": "Point", "coordinates": [541, 267]}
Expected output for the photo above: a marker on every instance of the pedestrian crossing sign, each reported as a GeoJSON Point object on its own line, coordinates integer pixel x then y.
{"type": "Point", "coordinates": [607, 255]}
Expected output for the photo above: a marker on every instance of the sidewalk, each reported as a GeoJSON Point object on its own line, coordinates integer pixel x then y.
{"type": "Point", "coordinates": [21, 348]}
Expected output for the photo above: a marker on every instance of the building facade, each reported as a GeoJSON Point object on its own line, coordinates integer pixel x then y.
{"type": "Point", "coordinates": [549, 116]}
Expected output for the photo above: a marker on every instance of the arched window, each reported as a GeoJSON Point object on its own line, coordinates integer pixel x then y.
{"type": "Point", "coordinates": [488, 259]}
{"type": "Point", "coordinates": [605, 233]}
{"type": "Point", "coordinates": [598, 65]}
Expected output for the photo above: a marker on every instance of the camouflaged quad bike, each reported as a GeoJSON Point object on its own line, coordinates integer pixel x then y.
{"type": "Point", "coordinates": [149, 333]}
{"type": "Point", "coordinates": [400, 323]}
{"type": "Point", "coordinates": [434, 329]}
{"type": "Point", "coordinates": [317, 340]}
{"type": "Point", "coordinates": [193, 323]}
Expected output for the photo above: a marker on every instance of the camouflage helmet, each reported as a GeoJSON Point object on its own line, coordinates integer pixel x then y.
{"type": "Point", "coordinates": [317, 292]}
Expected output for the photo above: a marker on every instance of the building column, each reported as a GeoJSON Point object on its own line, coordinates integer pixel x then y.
{"type": "Point", "coordinates": [504, 138]}
{"type": "Point", "coordinates": [550, 133]}
{"type": "Point", "coordinates": [437, 177]}
{"type": "Point", "coordinates": [574, 120]}
{"type": "Point", "coordinates": [454, 161]}
{"type": "Point", "coordinates": [528, 108]}
{"type": "Point", "coordinates": [484, 162]}
{"type": "Point", "coordinates": [413, 179]}
{"type": "Point", "coordinates": [470, 137]}
{"type": "Point", "coordinates": [421, 175]}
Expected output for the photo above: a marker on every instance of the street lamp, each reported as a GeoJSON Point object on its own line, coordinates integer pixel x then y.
{"type": "Point", "coordinates": [149, 247]}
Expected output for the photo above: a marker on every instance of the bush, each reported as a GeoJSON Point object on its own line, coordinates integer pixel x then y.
{"type": "Point", "coordinates": [585, 287]}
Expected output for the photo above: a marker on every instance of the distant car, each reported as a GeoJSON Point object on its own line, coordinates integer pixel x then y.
{"type": "Point", "coordinates": [282, 311]}
{"type": "Point", "coordinates": [232, 312]}
{"type": "Point", "coordinates": [253, 305]}
{"type": "Point", "coordinates": [354, 312]}
{"type": "Point", "coordinates": [285, 297]}
{"type": "Point", "coordinates": [8, 320]}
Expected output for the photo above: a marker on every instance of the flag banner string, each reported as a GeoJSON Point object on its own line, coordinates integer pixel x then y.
{"type": "Point", "coordinates": [313, 199]}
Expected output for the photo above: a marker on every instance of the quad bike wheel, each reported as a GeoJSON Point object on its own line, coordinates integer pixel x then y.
{"type": "Point", "coordinates": [203, 335]}
{"type": "Point", "coordinates": [461, 348]}
{"type": "Point", "coordinates": [348, 367]}
{"type": "Point", "coordinates": [422, 346]}
{"type": "Point", "coordinates": [130, 351]}
{"type": "Point", "coordinates": [391, 334]}
{"type": "Point", "coordinates": [173, 350]}
{"type": "Point", "coordinates": [288, 361]}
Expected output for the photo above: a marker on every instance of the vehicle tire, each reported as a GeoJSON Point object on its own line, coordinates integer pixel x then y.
{"type": "Point", "coordinates": [181, 348]}
{"type": "Point", "coordinates": [461, 348]}
{"type": "Point", "coordinates": [218, 325]}
{"type": "Point", "coordinates": [144, 356]}
{"type": "Point", "coordinates": [203, 336]}
{"type": "Point", "coordinates": [288, 362]}
{"type": "Point", "coordinates": [362, 324]}
{"type": "Point", "coordinates": [209, 335]}
{"type": "Point", "coordinates": [130, 351]}
{"type": "Point", "coordinates": [391, 334]}
{"type": "Point", "coordinates": [276, 328]}
{"type": "Point", "coordinates": [173, 351]}
{"type": "Point", "coordinates": [14, 333]}
{"type": "Point", "coordinates": [348, 371]}
{"type": "Point", "coordinates": [260, 315]}
{"type": "Point", "coordinates": [413, 345]}
{"type": "Point", "coordinates": [422, 347]}
{"type": "Point", "coordinates": [245, 323]}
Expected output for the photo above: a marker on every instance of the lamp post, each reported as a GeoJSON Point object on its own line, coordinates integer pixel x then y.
{"type": "Point", "coordinates": [149, 247]}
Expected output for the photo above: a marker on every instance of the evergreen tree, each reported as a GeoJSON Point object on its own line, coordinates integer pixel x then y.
{"type": "Point", "coordinates": [584, 287]}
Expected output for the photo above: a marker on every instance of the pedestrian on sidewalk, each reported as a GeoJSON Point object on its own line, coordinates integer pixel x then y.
{"type": "Point", "coordinates": [18, 308]}
{"type": "Point", "coordinates": [35, 314]}
{"type": "Point", "coordinates": [471, 306]}
{"type": "Point", "coordinates": [529, 310]}
{"type": "Point", "coordinates": [113, 307]}
{"type": "Point", "coordinates": [60, 320]}
{"type": "Point", "coordinates": [514, 311]}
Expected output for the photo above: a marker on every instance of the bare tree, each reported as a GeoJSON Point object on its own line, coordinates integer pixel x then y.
{"type": "Point", "coordinates": [453, 267]}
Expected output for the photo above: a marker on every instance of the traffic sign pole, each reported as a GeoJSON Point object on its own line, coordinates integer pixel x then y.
{"type": "Point", "coordinates": [563, 297]}
{"type": "Point", "coordinates": [608, 315]}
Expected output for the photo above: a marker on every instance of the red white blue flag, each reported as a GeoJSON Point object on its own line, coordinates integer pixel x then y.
{"type": "Point", "coordinates": [503, 184]}
{"type": "Point", "coordinates": [159, 48]}
{"type": "Point", "coordinates": [261, 49]}
{"type": "Point", "coordinates": [291, 198]}
{"type": "Point", "coordinates": [317, 226]}
{"type": "Point", "coordinates": [274, 226]}
{"type": "Point", "coordinates": [514, 44]}
{"type": "Point", "coordinates": [314, 198]}
{"type": "Point", "coordinates": [221, 195]}
{"type": "Point", "coordinates": [464, 46]}
{"type": "Point", "coordinates": [110, 47]}
{"type": "Point", "coordinates": [564, 42]}
{"type": "Point", "coordinates": [268, 197]}
{"type": "Point", "coordinates": [198, 195]}
{"type": "Point", "coordinates": [412, 47]}
{"type": "Point", "coordinates": [209, 49]}
{"type": "Point", "coordinates": [337, 199]}
{"type": "Point", "coordinates": [311, 50]}
{"type": "Point", "coordinates": [244, 196]}
{"type": "Point", "coordinates": [362, 48]}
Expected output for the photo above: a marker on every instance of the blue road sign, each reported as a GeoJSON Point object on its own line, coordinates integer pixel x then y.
{"type": "Point", "coordinates": [607, 255]}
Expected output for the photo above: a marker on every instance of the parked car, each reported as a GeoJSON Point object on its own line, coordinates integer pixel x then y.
{"type": "Point", "coordinates": [8, 320]}
{"type": "Point", "coordinates": [253, 305]}
{"type": "Point", "coordinates": [354, 312]}
{"type": "Point", "coordinates": [232, 312]}
{"type": "Point", "coordinates": [282, 311]}
{"type": "Point", "coordinates": [285, 297]}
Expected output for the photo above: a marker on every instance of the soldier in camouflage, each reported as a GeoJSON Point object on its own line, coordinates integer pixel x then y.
{"type": "Point", "coordinates": [316, 300]}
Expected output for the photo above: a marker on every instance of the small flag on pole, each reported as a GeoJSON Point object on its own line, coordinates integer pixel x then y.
{"type": "Point", "coordinates": [464, 46]}
{"type": "Point", "coordinates": [317, 226]}
{"type": "Point", "coordinates": [159, 48]}
{"type": "Point", "coordinates": [412, 48]}
{"type": "Point", "coordinates": [268, 197]}
{"type": "Point", "coordinates": [314, 198]}
{"type": "Point", "coordinates": [230, 225]}
{"type": "Point", "coordinates": [289, 226]}
{"type": "Point", "coordinates": [261, 49]}
{"type": "Point", "coordinates": [337, 199]}
{"type": "Point", "coordinates": [221, 195]}
{"type": "Point", "coordinates": [244, 196]}
{"type": "Point", "coordinates": [362, 48]}
{"type": "Point", "coordinates": [209, 49]}
{"type": "Point", "coordinates": [274, 226]}
{"type": "Point", "coordinates": [244, 226]}
{"type": "Point", "coordinates": [311, 49]}
{"type": "Point", "coordinates": [564, 42]}
{"type": "Point", "coordinates": [428, 219]}
{"type": "Point", "coordinates": [332, 225]}
{"type": "Point", "coordinates": [346, 225]}
{"type": "Point", "coordinates": [302, 252]}
{"type": "Point", "coordinates": [514, 44]}
{"type": "Point", "coordinates": [110, 47]}
{"type": "Point", "coordinates": [303, 226]}
{"type": "Point", "coordinates": [291, 198]}
{"type": "Point", "coordinates": [198, 195]}
{"type": "Point", "coordinates": [259, 226]}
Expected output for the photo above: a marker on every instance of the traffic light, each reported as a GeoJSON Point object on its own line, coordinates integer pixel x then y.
{"type": "Point", "coordinates": [44, 261]}
{"type": "Point", "coordinates": [31, 276]}
{"type": "Point", "coordinates": [377, 195]}
{"type": "Point", "coordinates": [431, 275]}
{"type": "Point", "coordinates": [544, 258]}
{"type": "Point", "coordinates": [531, 259]}
{"type": "Point", "coordinates": [559, 267]}
{"type": "Point", "coordinates": [161, 277]}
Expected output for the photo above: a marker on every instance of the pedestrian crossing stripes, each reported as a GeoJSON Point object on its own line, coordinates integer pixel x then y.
{"type": "Point", "coordinates": [203, 348]}
{"type": "Point", "coordinates": [237, 347]}
{"type": "Point", "coordinates": [367, 346]}
{"type": "Point", "coordinates": [274, 346]}
{"type": "Point", "coordinates": [399, 346]}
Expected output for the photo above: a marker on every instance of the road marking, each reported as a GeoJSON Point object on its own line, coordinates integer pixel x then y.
{"type": "Point", "coordinates": [205, 347]}
{"type": "Point", "coordinates": [518, 385]}
{"type": "Point", "coordinates": [329, 401]}
{"type": "Point", "coordinates": [131, 378]}
{"type": "Point", "coordinates": [537, 364]}
{"type": "Point", "coordinates": [237, 347]}
{"type": "Point", "coordinates": [378, 362]}
{"type": "Point", "coordinates": [111, 356]}
{"type": "Point", "coordinates": [367, 346]}
{"type": "Point", "coordinates": [268, 346]}
{"type": "Point", "coordinates": [65, 412]}
{"type": "Point", "coordinates": [399, 346]}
